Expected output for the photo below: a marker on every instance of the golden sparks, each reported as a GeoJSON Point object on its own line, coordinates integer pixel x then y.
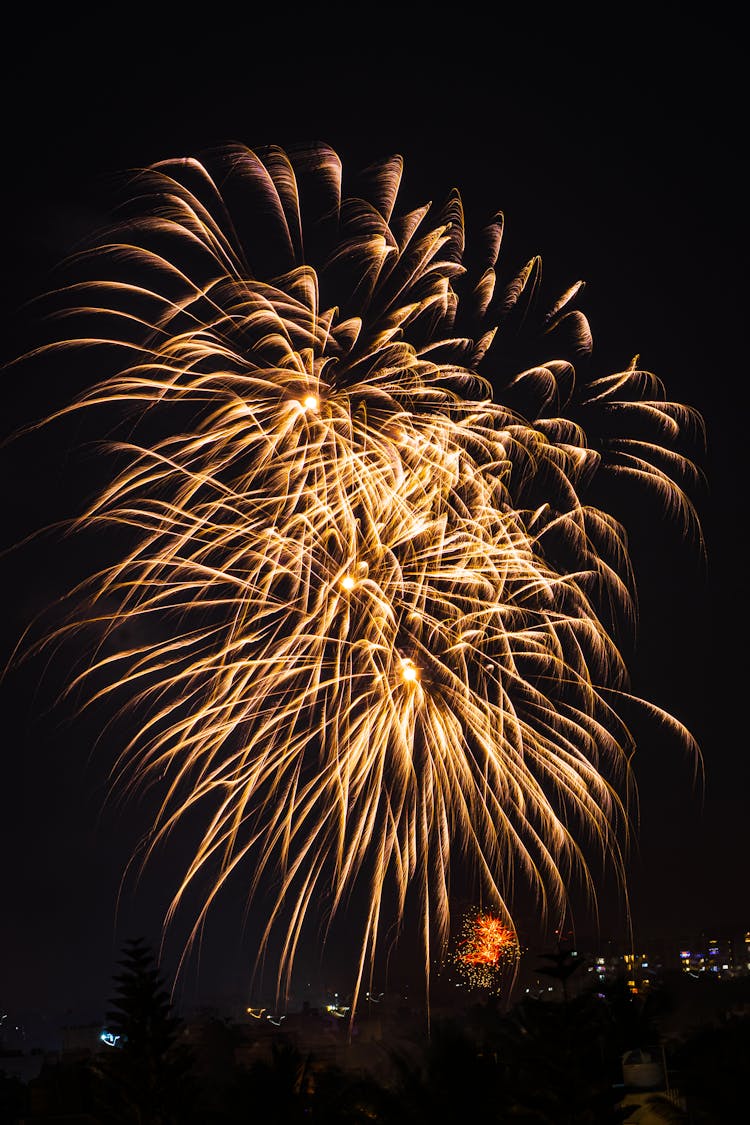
{"type": "Point", "coordinates": [287, 547]}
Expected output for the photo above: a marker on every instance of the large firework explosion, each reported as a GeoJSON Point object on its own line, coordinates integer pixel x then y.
{"type": "Point", "coordinates": [387, 613]}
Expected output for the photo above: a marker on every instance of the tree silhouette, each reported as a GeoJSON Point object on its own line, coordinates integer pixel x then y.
{"type": "Point", "coordinates": [281, 1085]}
{"type": "Point", "coordinates": [144, 1078]}
{"type": "Point", "coordinates": [563, 964]}
{"type": "Point", "coordinates": [436, 1085]}
{"type": "Point", "coordinates": [712, 1063]}
{"type": "Point", "coordinates": [12, 1098]}
{"type": "Point", "coordinates": [558, 1064]}
{"type": "Point", "coordinates": [292, 1087]}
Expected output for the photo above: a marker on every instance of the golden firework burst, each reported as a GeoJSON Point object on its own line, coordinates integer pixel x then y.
{"type": "Point", "coordinates": [388, 610]}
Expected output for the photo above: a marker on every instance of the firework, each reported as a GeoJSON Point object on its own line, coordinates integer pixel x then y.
{"type": "Point", "coordinates": [486, 949]}
{"type": "Point", "coordinates": [377, 612]}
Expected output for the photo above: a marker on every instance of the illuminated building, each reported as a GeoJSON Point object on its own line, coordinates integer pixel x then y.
{"type": "Point", "coordinates": [711, 954]}
{"type": "Point", "coordinates": [637, 974]}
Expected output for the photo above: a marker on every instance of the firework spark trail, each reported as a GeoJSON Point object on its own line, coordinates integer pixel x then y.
{"type": "Point", "coordinates": [388, 610]}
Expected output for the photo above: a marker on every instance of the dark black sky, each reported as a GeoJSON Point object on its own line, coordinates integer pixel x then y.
{"type": "Point", "coordinates": [618, 154]}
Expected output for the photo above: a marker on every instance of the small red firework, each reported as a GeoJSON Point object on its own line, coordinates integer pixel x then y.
{"type": "Point", "coordinates": [486, 947]}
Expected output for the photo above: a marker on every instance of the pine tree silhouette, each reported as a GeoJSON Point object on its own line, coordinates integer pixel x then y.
{"type": "Point", "coordinates": [145, 1078]}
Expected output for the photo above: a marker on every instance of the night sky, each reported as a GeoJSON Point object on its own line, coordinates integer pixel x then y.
{"type": "Point", "coordinates": [617, 157]}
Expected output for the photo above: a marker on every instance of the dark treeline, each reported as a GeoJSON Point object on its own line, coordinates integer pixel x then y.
{"type": "Point", "coordinates": [545, 1062]}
